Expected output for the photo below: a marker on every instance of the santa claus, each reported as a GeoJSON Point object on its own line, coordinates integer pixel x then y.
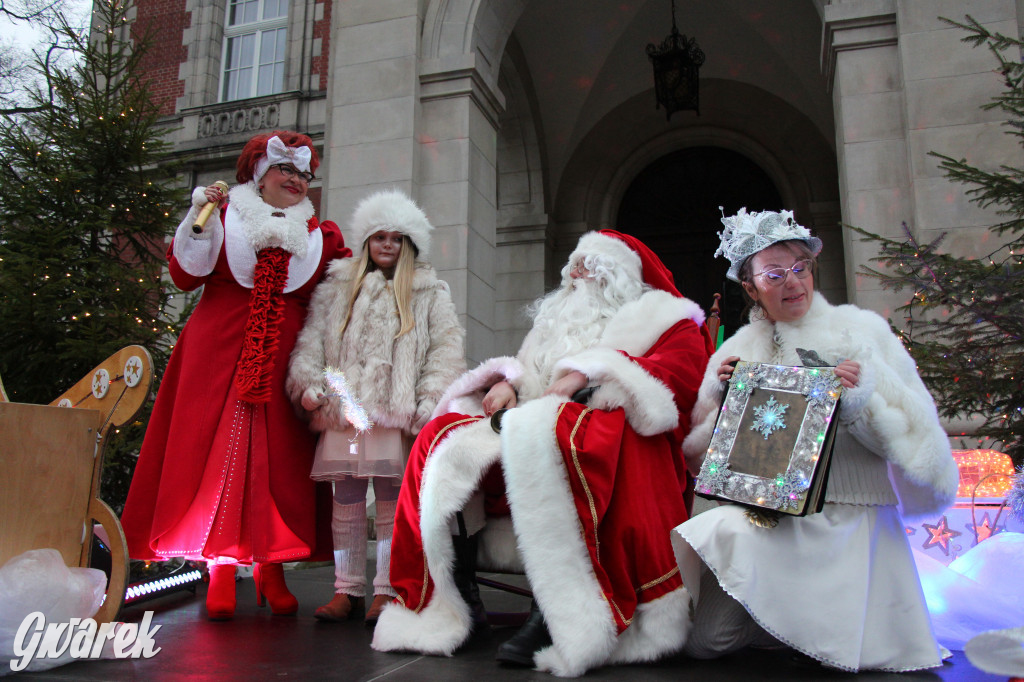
{"type": "Point", "coordinates": [593, 484]}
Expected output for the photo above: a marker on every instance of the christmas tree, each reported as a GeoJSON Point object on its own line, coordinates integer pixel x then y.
{"type": "Point", "coordinates": [87, 199]}
{"type": "Point", "coordinates": [964, 323]}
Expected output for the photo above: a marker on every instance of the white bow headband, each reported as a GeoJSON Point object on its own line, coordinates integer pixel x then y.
{"type": "Point", "coordinates": [279, 152]}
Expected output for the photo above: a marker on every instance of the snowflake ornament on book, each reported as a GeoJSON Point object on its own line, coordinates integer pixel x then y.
{"type": "Point", "coordinates": [770, 417]}
{"type": "Point", "coordinates": [821, 388]}
{"type": "Point", "coordinates": [713, 477]}
{"type": "Point", "coordinates": [744, 382]}
{"type": "Point", "coordinates": [788, 489]}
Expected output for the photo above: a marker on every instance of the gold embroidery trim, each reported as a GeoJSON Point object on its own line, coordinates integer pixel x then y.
{"type": "Point", "coordinates": [583, 479]}
{"type": "Point", "coordinates": [430, 451]}
{"type": "Point", "coordinates": [658, 581]}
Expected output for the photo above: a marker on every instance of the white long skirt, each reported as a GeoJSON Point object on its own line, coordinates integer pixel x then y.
{"type": "Point", "coordinates": [840, 586]}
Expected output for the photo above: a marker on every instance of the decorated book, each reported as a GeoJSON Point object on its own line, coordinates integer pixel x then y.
{"type": "Point", "coordinates": [773, 439]}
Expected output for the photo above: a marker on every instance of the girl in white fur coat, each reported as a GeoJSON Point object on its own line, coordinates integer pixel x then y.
{"type": "Point", "coordinates": [841, 585]}
{"type": "Point", "coordinates": [387, 321]}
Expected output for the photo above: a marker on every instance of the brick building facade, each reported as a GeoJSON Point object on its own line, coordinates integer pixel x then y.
{"type": "Point", "coordinates": [520, 124]}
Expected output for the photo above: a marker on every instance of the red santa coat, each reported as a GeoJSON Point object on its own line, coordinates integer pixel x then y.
{"type": "Point", "coordinates": [217, 476]}
{"type": "Point", "coordinates": [594, 493]}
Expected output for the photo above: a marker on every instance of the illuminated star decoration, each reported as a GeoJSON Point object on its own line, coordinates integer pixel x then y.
{"type": "Point", "coordinates": [940, 534]}
{"type": "Point", "coordinates": [350, 405]}
{"type": "Point", "coordinates": [983, 530]}
{"type": "Point", "coordinates": [1015, 495]}
{"type": "Point", "coordinates": [770, 417]}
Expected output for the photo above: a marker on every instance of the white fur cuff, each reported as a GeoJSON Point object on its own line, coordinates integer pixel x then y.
{"type": "Point", "coordinates": [649, 404]}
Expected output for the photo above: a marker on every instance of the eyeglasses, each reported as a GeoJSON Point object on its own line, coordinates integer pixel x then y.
{"type": "Point", "coordinates": [777, 276]}
{"type": "Point", "coordinates": [290, 172]}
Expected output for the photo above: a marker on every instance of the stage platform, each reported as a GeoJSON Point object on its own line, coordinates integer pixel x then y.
{"type": "Point", "coordinates": [256, 645]}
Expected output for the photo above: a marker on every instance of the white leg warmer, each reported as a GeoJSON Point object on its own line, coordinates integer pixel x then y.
{"type": "Point", "coordinates": [348, 524]}
{"type": "Point", "coordinates": [385, 524]}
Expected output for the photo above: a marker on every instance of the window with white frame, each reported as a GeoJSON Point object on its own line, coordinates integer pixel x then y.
{"type": "Point", "coordinates": [254, 48]}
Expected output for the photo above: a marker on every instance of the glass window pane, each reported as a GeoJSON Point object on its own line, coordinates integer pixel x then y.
{"type": "Point", "coordinates": [238, 71]}
{"type": "Point", "coordinates": [264, 82]}
{"type": "Point", "coordinates": [271, 79]}
{"type": "Point", "coordinates": [244, 83]}
{"type": "Point", "coordinates": [230, 86]}
{"type": "Point", "coordinates": [247, 50]}
{"type": "Point", "coordinates": [230, 54]}
{"type": "Point", "coordinates": [243, 12]}
{"type": "Point", "coordinates": [271, 71]}
{"type": "Point", "coordinates": [275, 8]}
{"type": "Point", "coordinates": [279, 77]}
{"type": "Point", "coordinates": [272, 46]}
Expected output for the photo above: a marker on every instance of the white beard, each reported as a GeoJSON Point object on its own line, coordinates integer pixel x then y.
{"type": "Point", "coordinates": [569, 320]}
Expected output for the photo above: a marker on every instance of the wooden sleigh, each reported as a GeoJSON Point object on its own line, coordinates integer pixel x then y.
{"type": "Point", "coordinates": [51, 458]}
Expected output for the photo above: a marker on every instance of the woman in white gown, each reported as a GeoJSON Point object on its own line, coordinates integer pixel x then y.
{"type": "Point", "coordinates": [840, 585]}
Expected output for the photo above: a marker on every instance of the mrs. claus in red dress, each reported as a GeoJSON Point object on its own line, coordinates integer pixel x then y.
{"type": "Point", "coordinates": [223, 474]}
{"type": "Point", "coordinates": [593, 489]}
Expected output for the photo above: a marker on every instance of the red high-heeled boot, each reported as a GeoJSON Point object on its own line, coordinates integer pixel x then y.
{"type": "Point", "coordinates": [220, 596]}
{"type": "Point", "coordinates": [270, 586]}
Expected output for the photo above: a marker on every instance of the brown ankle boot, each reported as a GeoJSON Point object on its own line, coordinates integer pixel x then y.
{"type": "Point", "coordinates": [379, 602]}
{"type": "Point", "coordinates": [341, 607]}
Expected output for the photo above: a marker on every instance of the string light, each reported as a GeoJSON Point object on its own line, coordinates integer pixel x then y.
{"type": "Point", "coordinates": [975, 466]}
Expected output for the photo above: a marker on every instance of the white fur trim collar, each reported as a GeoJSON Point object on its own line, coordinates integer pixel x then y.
{"type": "Point", "coordinates": [263, 225]}
{"type": "Point", "coordinates": [240, 245]}
{"type": "Point", "coordinates": [638, 324]}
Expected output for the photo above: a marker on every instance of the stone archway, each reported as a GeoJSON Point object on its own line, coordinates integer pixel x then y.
{"type": "Point", "coordinates": [672, 205]}
{"type": "Point", "coordinates": [778, 148]}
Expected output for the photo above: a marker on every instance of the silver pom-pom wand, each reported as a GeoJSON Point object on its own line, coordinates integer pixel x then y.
{"type": "Point", "coordinates": [350, 405]}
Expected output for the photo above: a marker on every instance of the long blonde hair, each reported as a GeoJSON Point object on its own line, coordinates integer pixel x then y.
{"type": "Point", "coordinates": [405, 268]}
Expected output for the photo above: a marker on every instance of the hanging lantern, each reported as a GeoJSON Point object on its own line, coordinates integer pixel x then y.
{"type": "Point", "coordinates": [676, 64]}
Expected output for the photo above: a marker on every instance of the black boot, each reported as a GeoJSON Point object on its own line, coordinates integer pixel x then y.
{"type": "Point", "coordinates": [530, 639]}
{"type": "Point", "coordinates": [464, 573]}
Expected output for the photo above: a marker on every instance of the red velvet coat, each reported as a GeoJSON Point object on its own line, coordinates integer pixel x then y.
{"type": "Point", "coordinates": [594, 493]}
{"type": "Point", "coordinates": [204, 447]}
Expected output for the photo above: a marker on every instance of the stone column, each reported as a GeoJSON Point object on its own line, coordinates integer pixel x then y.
{"type": "Point", "coordinates": [862, 64]}
{"type": "Point", "coordinates": [457, 174]}
{"type": "Point", "coordinates": [903, 85]}
{"type": "Point", "coordinates": [372, 89]}
{"type": "Point", "coordinates": [425, 126]}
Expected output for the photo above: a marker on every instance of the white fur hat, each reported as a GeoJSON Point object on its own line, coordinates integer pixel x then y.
{"type": "Point", "coordinates": [393, 211]}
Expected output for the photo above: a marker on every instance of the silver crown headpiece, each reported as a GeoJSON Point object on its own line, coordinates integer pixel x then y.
{"type": "Point", "coordinates": [747, 233]}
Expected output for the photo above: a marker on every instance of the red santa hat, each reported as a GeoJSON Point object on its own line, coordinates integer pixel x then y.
{"type": "Point", "coordinates": [629, 252]}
